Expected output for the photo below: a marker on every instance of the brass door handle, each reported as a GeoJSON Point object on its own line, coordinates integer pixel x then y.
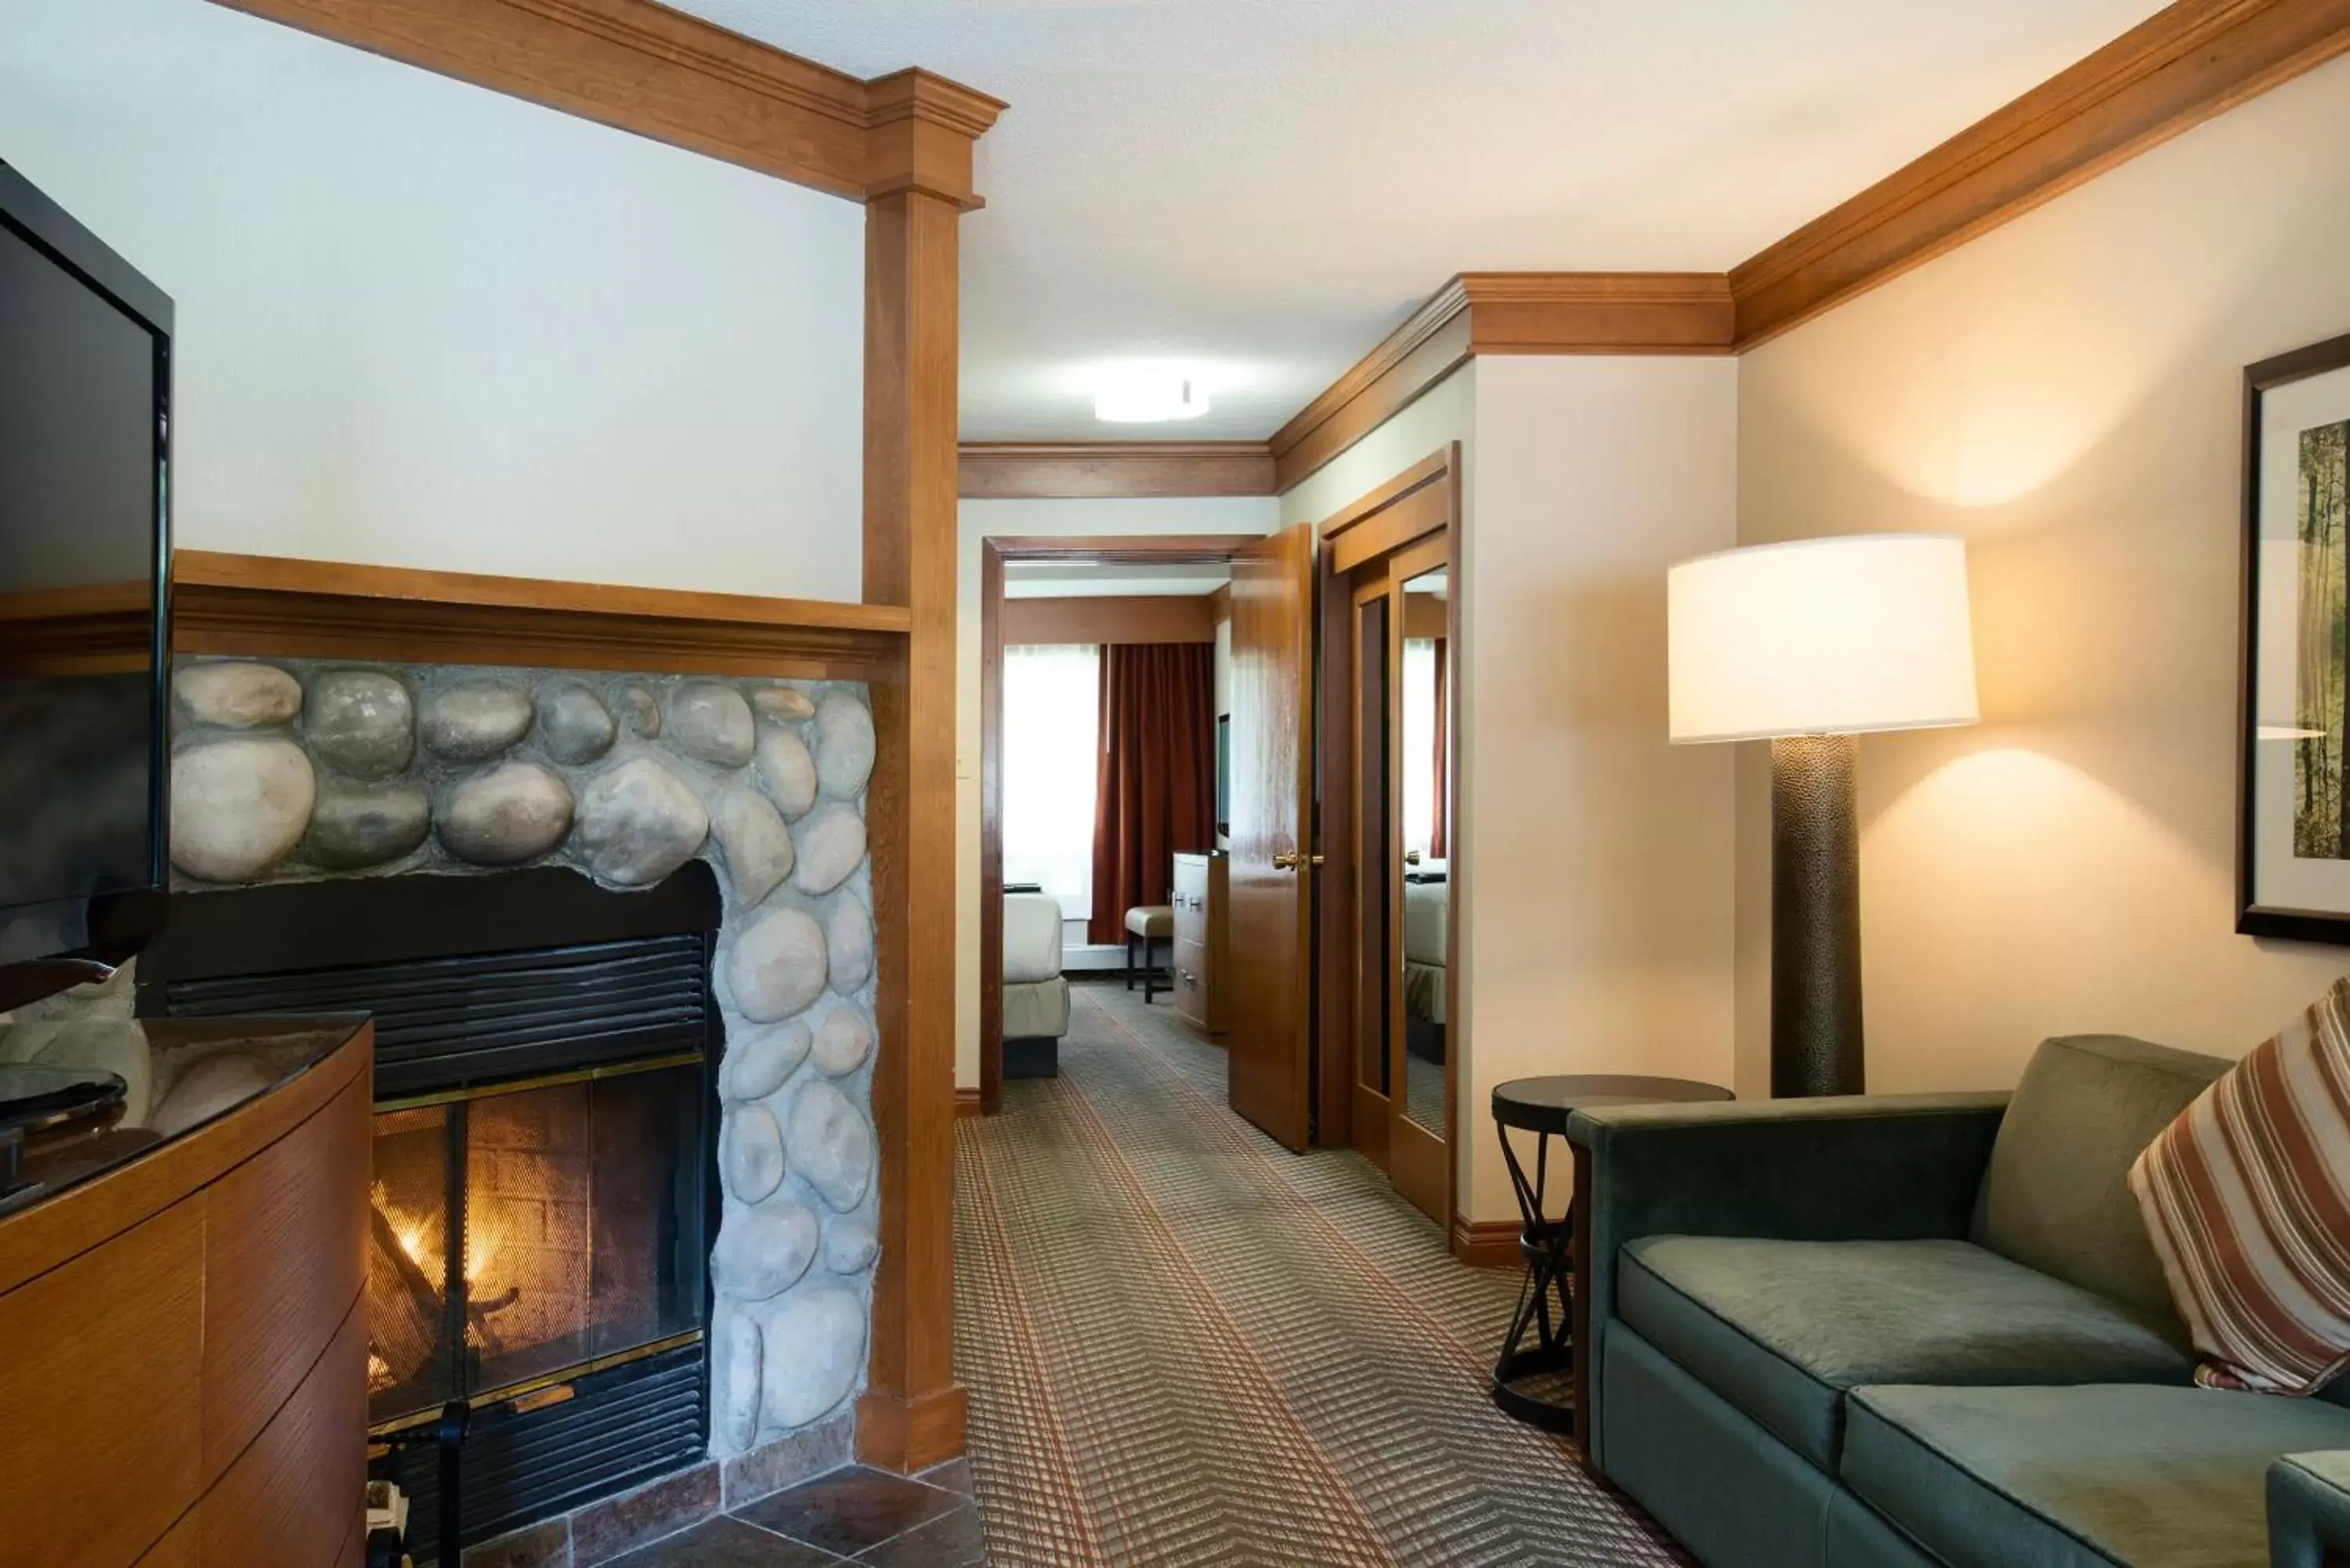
{"type": "Point", "coordinates": [1411, 857]}
{"type": "Point", "coordinates": [1292, 862]}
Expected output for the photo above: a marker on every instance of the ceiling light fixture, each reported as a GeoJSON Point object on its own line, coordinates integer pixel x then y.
{"type": "Point", "coordinates": [1148, 394]}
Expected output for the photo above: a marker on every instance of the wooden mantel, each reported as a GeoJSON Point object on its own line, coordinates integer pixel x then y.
{"type": "Point", "coordinates": [272, 605]}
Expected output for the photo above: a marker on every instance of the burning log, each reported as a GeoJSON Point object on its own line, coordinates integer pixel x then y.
{"type": "Point", "coordinates": [405, 1309]}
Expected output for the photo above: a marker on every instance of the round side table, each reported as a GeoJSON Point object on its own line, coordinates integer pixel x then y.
{"type": "Point", "coordinates": [1541, 1106]}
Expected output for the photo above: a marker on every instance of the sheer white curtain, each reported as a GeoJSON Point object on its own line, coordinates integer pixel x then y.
{"type": "Point", "coordinates": [1418, 743]}
{"type": "Point", "coordinates": [1052, 758]}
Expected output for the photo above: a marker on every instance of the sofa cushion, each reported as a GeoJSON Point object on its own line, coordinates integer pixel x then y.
{"type": "Point", "coordinates": [2244, 1198]}
{"type": "Point", "coordinates": [2095, 1475]}
{"type": "Point", "coordinates": [2055, 1197]}
{"type": "Point", "coordinates": [1781, 1329]}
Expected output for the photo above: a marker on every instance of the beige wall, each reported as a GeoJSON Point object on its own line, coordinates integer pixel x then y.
{"type": "Point", "coordinates": [2066, 393]}
{"type": "Point", "coordinates": [422, 324]}
{"type": "Point", "coordinates": [1597, 921]}
{"type": "Point", "coordinates": [999, 519]}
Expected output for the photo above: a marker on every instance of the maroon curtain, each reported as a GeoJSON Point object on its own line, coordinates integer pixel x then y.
{"type": "Point", "coordinates": [1157, 790]}
{"type": "Point", "coordinates": [1436, 845]}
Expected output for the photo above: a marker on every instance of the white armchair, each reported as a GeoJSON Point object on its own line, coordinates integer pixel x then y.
{"type": "Point", "coordinates": [1036, 992]}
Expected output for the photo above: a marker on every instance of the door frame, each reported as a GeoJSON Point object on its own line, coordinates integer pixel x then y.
{"type": "Point", "coordinates": [1415, 503]}
{"type": "Point", "coordinates": [994, 554]}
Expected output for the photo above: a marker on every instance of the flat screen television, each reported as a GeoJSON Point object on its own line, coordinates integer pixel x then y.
{"type": "Point", "coordinates": [85, 548]}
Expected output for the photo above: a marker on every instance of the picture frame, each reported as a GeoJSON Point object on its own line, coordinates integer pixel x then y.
{"type": "Point", "coordinates": [2292, 861]}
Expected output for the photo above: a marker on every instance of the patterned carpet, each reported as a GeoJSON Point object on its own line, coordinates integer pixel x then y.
{"type": "Point", "coordinates": [1186, 1345]}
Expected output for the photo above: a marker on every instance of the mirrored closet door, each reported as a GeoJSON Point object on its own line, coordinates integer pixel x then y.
{"type": "Point", "coordinates": [1404, 820]}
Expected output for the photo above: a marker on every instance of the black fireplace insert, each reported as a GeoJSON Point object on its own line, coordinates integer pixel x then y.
{"type": "Point", "coordinates": [544, 1194]}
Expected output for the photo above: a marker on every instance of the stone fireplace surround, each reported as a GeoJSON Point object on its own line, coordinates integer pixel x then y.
{"type": "Point", "coordinates": [305, 769]}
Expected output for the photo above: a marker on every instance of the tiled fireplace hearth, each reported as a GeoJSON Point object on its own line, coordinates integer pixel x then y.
{"type": "Point", "coordinates": [616, 932]}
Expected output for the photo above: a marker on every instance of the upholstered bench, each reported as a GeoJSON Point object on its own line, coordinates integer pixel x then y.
{"type": "Point", "coordinates": [1145, 924]}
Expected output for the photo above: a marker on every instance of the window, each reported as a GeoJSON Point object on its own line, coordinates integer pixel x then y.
{"type": "Point", "coordinates": [1418, 743]}
{"type": "Point", "coordinates": [1052, 762]}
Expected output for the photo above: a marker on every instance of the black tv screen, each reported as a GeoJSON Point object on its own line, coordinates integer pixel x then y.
{"type": "Point", "coordinates": [85, 377]}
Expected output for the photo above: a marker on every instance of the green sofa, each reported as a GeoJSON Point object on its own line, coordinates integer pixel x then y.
{"type": "Point", "coordinates": [1900, 1331]}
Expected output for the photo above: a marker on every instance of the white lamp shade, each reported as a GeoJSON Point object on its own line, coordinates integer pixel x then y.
{"type": "Point", "coordinates": [1821, 636]}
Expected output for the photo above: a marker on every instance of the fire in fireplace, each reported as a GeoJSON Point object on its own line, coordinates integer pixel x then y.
{"type": "Point", "coordinates": [571, 1216]}
{"type": "Point", "coordinates": [544, 1187]}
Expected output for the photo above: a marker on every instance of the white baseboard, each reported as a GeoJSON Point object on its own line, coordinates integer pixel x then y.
{"type": "Point", "coordinates": [1089, 958]}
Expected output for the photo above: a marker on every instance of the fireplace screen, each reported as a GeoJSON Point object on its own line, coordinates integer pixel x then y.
{"type": "Point", "coordinates": [526, 1232]}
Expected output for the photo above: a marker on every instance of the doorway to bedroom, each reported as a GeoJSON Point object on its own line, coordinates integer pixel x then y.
{"type": "Point", "coordinates": [1106, 699]}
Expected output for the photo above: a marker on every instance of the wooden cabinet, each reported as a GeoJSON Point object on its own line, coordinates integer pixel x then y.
{"type": "Point", "coordinates": [182, 1352]}
{"type": "Point", "coordinates": [1198, 960]}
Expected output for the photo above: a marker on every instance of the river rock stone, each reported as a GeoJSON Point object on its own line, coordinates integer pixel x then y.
{"type": "Point", "coordinates": [849, 1245]}
{"type": "Point", "coordinates": [644, 714]}
{"type": "Point", "coordinates": [762, 1252]}
{"type": "Point", "coordinates": [831, 1145]}
{"type": "Point", "coordinates": [356, 825]}
{"type": "Point", "coordinates": [237, 694]}
{"type": "Point", "coordinates": [777, 967]}
{"type": "Point", "coordinates": [574, 725]}
{"type": "Point", "coordinates": [239, 806]}
{"type": "Point", "coordinates": [361, 720]}
{"type": "Point", "coordinates": [710, 722]}
{"type": "Point", "coordinates": [758, 846]}
{"type": "Point", "coordinates": [638, 823]}
{"type": "Point", "coordinates": [828, 848]}
{"type": "Point", "coordinates": [750, 1152]}
{"type": "Point", "coordinates": [514, 813]}
{"type": "Point", "coordinates": [842, 1042]}
{"type": "Point", "coordinates": [756, 1064]}
{"type": "Point", "coordinates": [783, 704]}
{"type": "Point", "coordinates": [786, 772]}
{"type": "Point", "coordinates": [734, 1378]}
{"type": "Point", "coordinates": [475, 720]}
{"type": "Point", "coordinates": [825, 1326]}
{"type": "Point", "coordinates": [849, 946]}
{"type": "Point", "coordinates": [844, 744]}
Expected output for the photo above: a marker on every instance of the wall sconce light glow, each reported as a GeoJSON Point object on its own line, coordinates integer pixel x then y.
{"type": "Point", "coordinates": [1148, 394]}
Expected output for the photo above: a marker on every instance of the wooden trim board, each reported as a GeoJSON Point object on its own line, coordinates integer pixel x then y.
{"type": "Point", "coordinates": [911, 1413]}
{"type": "Point", "coordinates": [1160, 618]}
{"type": "Point", "coordinates": [2181, 66]}
{"type": "Point", "coordinates": [1094, 470]}
{"type": "Point", "coordinates": [1485, 1243]}
{"type": "Point", "coordinates": [284, 608]}
{"type": "Point", "coordinates": [1506, 313]}
{"type": "Point", "coordinates": [640, 67]}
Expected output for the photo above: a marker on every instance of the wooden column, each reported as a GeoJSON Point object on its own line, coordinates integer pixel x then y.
{"type": "Point", "coordinates": [911, 1415]}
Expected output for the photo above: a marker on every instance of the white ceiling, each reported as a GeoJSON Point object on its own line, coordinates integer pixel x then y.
{"type": "Point", "coordinates": [1269, 186]}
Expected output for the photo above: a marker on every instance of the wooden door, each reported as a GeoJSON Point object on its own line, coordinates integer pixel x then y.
{"type": "Point", "coordinates": [1270, 926]}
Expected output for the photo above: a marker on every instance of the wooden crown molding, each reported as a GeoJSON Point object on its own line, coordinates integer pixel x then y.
{"type": "Point", "coordinates": [2181, 66]}
{"type": "Point", "coordinates": [1096, 470]}
{"type": "Point", "coordinates": [1506, 313]}
{"type": "Point", "coordinates": [2193, 60]}
{"type": "Point", "coordinates": [275, 607]}
{"type": "Point", "coordinates": [641, 68]}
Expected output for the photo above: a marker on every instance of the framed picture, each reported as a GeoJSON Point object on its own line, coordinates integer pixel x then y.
{"type": "Point", "coordinates": [2293, 864]}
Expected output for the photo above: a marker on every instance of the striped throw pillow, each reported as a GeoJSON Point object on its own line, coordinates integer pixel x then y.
{"type": "Point", "coordinates": [2246, 1197]}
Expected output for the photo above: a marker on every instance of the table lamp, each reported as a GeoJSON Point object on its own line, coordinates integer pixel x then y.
{"type": "Point", "coordinates": [1808, 645]}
